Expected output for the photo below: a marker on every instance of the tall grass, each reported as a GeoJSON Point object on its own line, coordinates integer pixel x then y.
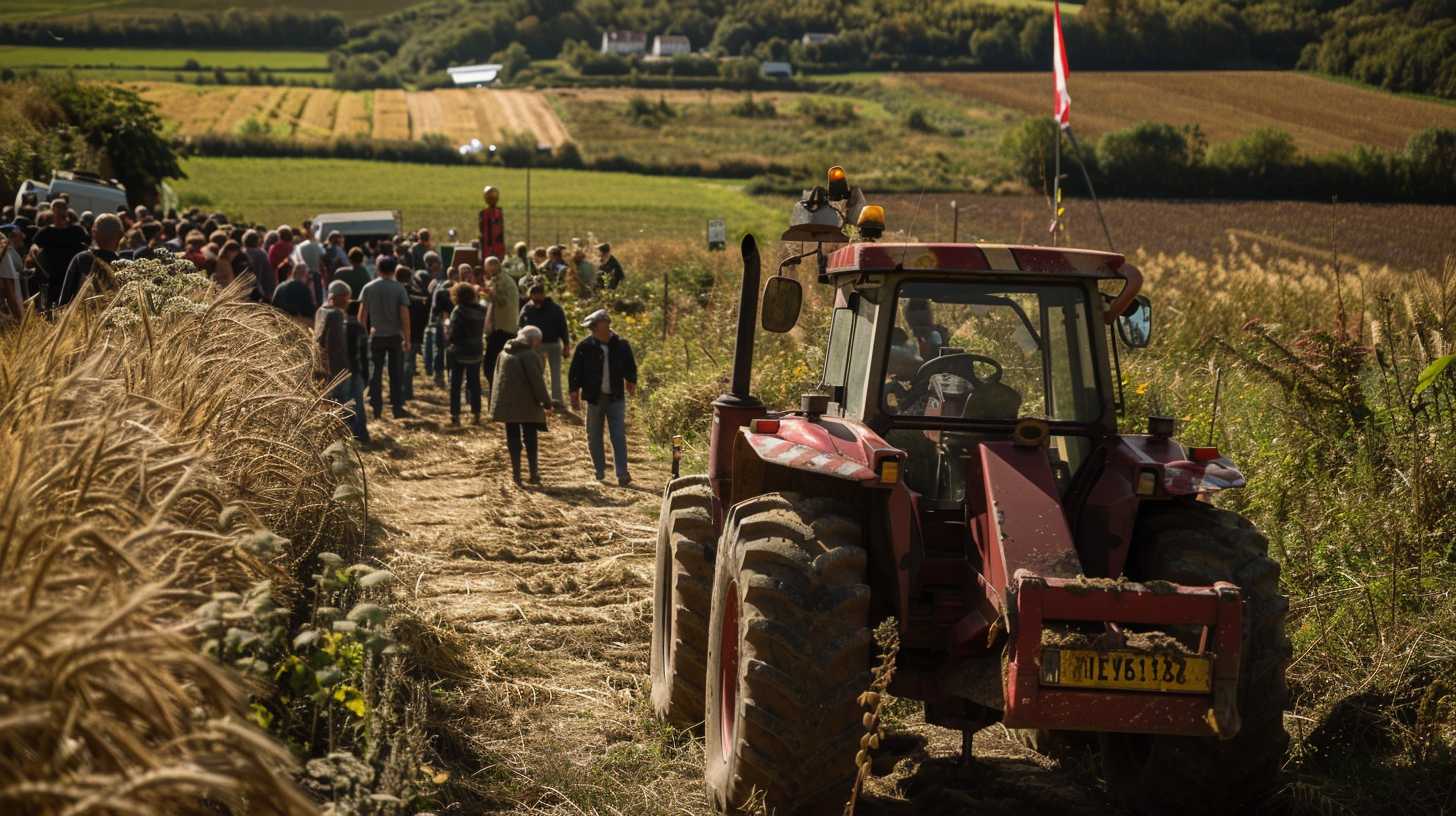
{"type": "Point", "coordinates": [162, 447]}
{"type": "Point", "coordinates": [1352, 476]}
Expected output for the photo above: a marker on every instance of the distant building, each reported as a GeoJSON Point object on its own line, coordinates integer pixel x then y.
{"type": "Point", "coordinates": [817, 37]}
{"type": "Point", "coordinates": [623, 42]}
{"type": "Point", "coordinates": [670, 45]}
{"type": "Point", "coordinates": [474, 74]}
{"type": "Point", "coordinates": [776, 70]}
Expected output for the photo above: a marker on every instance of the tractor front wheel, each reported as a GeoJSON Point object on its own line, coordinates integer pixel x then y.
{"type": "Point", "coordinates": [788, 655]}
{"type": "Point", "coordinates": [682, 592]}
{"type": "Point", "coordinates": [1193, 543]}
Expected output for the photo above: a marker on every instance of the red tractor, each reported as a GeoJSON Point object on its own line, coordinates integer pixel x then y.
{"type": "Point", "coordinates": [963, 473]}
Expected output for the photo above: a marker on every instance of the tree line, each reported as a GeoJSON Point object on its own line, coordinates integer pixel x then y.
{"type": "Point", "coordinates": [1403, 45]}
{"type": "Point", "coordinates": [1162, 160]}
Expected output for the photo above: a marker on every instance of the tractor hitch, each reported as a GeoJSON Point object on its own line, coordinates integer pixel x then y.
{"type": "Point", "coordinates": [1124, 681]}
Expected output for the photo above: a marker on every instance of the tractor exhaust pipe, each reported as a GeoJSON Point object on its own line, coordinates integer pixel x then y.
{"type": "Point", "coordinates": [736, 408]}
{"type": "Point", "coordinates": [747, 316]}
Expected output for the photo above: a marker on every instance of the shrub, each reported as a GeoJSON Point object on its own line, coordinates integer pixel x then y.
{"type": "Point", "coordinates": [1258, 154]}
{"type": "Point", "coordinates": [748, 108]}
{"type": "Point", "coordinates": [1147, 156]}
{"type": "Point", "coordinates": [829, 114]}
{"type": "Point", "coordinates": [918, 121]}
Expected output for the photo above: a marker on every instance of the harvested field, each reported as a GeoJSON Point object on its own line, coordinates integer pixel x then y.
{"type": "Point", "coordinates": [319, 114]}
{"type": "Point", "coordinates": [353, 118]}
{"type": "Point", "coordinates": [391, 115]}
{"type": "Point", "coordinates": [317, 120]}
{"type": "Point", "coordinates": [1322, 115]}
{"type": "Point", "coordinates": [1403, 236]}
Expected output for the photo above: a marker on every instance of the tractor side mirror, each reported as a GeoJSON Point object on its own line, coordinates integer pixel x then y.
{"type": "Point", "coordinates": [782, 299]}
{"type": "Point", "coordinates": [1135, 326]}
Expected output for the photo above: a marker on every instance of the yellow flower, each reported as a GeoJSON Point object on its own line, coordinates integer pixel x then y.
{"type": "Point", "coordinates": [1142, 388]}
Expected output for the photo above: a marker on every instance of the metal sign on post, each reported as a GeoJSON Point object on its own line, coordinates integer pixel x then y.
{"type": "Point", "coordinates": [717, 234]}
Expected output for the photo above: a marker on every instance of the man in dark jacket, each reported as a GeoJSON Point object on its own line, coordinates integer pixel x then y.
{"type": "Point", "coordinates": [331, 332]}
{"type": "Point", "coordinates": [545, 314]}
{"type": "Point", "coordinates": [55, 246]}
{"type": "Point", "coordinates": [604, 372]}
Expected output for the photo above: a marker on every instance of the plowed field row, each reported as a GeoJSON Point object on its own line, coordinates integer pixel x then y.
{"type": "Point", "coordinates": [320, 114]}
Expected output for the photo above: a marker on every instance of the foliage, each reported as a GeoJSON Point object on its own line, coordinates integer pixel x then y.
{"type": "Point", "coordinates": [828, 114]}
{"type": "Point", "coordinates": [748, 108]}
{"type": "Point", "coordinates": [1162, 160]}
{"type": "Point", "coordinates": [122, 126]}
{"type": "Point", "coordinates": [235, 27]}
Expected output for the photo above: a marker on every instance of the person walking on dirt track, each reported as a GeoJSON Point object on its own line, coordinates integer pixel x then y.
{"type": "Point", "coordinates": [331, 332]}
{"type": "Point", "coordinates": [385, 313]}
{"type": "Point", "coordinates": [439, 291]}
{"type": "Point", "coordinates": [608, 266]}
{"type": "Point", "coordinates": [604, 372]}
{"type": "Point", "coordinates": [467, 343]}
{"type": "Point", "coordinates": [505, 313]}
{"type": "Point", "coordinates": [545, 314]}
{"type": "Point", "coordinates": [519, 265]}
{"type": "Point", "coordinates": [492, 225]}
{"type": "Point", "coordinates": [519, 399]}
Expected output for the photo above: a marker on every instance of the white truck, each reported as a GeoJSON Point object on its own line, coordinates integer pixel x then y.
{"type": "Point", "coordinates": [86, 192]}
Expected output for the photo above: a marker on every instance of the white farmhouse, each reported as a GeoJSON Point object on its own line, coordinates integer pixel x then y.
{"type": "Point", "coordinates": [670, 45]}
{"type": "Point", "coordinates": [623, 43]}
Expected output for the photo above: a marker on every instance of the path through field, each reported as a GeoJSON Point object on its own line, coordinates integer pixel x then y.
{"type": "Point", "coordinates": [547, 591]}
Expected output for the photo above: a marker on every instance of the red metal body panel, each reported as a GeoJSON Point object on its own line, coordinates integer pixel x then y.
{"type": "Point", "coordinates": [976, 258]}
{"type": "Point", "coordinates": [1178, 474]}
{"type": "Point", "coordinates": [1031, 705]}
{"type": "Point", "coordinates": [1023, 521]}
{"type": "Point", "coordinates": [826, 446]}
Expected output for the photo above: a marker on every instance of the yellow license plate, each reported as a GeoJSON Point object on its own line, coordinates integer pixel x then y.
{"type": "Point", "coordinates": [1128, 671]}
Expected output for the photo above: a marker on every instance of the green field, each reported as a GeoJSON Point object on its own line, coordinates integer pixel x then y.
{"type": "Point", "coordinates": [62, 9]}
{"type": "Point", "coordinates": [165, 59]}
{"type": "Point", "coordinates": [565, 203]}
{"type": "Point", "coordinates": [949, 144]}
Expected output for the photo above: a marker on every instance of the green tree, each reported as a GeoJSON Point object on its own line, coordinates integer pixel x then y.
{"type": "Point", "coordinates": [125, 128]}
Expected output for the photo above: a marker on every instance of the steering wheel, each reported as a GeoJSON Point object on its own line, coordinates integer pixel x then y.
{"type": "Point", "coordinates": [962, 365]}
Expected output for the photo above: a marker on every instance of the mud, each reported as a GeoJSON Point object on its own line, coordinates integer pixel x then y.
{"type": "Point", "coordinates": [1137, 641]}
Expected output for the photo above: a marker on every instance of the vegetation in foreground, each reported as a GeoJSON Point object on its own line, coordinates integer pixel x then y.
{"type": "Point", "coordinates": [187, 627]}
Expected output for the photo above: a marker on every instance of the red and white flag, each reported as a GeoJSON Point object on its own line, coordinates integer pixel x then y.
{"type": "Point", "coordinates": [1063, 110]}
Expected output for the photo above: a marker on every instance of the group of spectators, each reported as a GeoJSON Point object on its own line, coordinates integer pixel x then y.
{"type": "Point", "coordinates": [377, 308]}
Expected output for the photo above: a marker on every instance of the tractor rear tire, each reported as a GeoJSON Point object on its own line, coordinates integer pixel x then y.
{"type": "Point", "coordinates": [788, 655]}
{"type": "Point", "coordinates": [682, 593]}
{"type": "Point", "coordinates": [1193, 543]}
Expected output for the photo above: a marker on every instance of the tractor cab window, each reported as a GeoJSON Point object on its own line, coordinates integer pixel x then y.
{"type": "Point", "coordinates": [991, 352]}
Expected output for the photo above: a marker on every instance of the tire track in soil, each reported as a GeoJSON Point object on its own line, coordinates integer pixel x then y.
{"type": "Point", "coordinates": [551, 588]}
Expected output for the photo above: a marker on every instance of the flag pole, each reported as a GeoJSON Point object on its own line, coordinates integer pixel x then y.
{"type": "Point", "coordinates": [1077, 151]}
{"type": "Point", "coordinates": [1056, 182]}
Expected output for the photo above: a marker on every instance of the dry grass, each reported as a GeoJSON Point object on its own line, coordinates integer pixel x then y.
{"type": "Point", "coordinates": [150, 436]}
{"type": "Point", "coordinates": [1323, 116]}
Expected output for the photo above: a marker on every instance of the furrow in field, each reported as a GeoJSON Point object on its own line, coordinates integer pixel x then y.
{"type": "Point", "coordinates": [351, 119]}
{"type": "Point", "coordinates": [246, 103]}
{"type": "Point", "coordinates": [391, 116]}
{"type": "Point", "coordinates": [424, 112]}
{"type": "Point", "coordinates": [317, 121]}
{"type": "Point", "coordinates": [488, 114]}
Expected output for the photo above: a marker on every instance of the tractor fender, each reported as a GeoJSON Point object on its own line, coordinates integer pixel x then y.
{"type": "Point", "coordinates": [1179, 473]}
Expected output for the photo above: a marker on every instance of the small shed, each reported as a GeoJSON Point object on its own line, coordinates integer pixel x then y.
{"type": "Point", "coordinates": [670, 45]}
{"type": "Point", "coordinates": [623, 43]}
{"type": "Point", "coordinates": [776, 70]}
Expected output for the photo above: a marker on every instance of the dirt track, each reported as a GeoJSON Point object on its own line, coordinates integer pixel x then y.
{"type": "Point", "coordinates": [549, 589]}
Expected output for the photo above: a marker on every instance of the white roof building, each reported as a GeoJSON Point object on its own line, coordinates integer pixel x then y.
{"type": "Point", "coordinates": [670, 45]}
{"type": "Point", "coordinates": [623, 42]}
{"type": "Point", "coordinates": [483, 74]}
{"type": "Point", "coordinates": [776, 70]}
{"type": "Point", "coordinates": [817, 37]}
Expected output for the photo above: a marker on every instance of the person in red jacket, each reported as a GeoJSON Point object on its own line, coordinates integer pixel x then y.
{"type": "Point", "coordinates": [492, 226]}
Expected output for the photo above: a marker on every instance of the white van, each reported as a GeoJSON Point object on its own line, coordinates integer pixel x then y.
{"type": "Point", "coordinates": [87, 192]}
{"type": "Point", "coordinates": [357, 227]}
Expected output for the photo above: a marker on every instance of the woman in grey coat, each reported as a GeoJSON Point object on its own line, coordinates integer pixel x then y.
{"type": "Point", "coordinates": [520, 400]}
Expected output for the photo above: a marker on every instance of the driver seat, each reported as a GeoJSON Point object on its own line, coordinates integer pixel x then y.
{"type": "Point", "coordinates": [992, 400]}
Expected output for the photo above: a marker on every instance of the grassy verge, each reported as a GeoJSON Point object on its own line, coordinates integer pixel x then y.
{"type": "Point", "coordinates": [161, 59]}
{"type": "Point", "coordinates": [190, 624]}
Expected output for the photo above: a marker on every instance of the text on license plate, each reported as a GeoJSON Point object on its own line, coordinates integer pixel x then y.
{"type": "Point", "coordinates": [1133, 671]}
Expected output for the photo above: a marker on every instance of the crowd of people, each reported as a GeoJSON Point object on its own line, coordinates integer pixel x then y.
{"type": "Point", "coordinates": [381, 308]}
